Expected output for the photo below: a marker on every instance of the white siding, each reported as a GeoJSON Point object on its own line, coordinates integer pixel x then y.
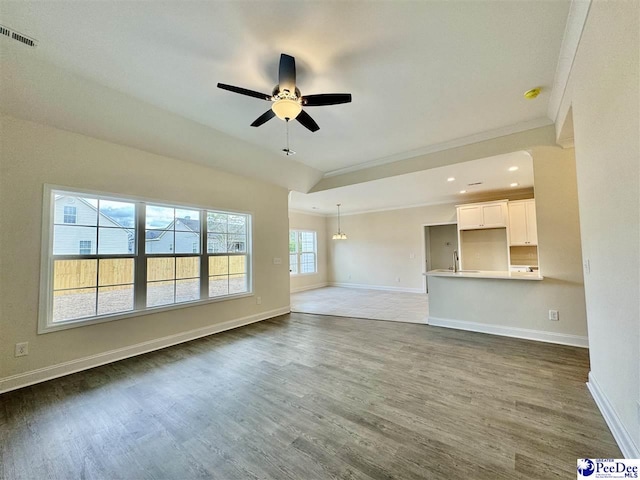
{"type": "Point", "coordinates": [67, 237]}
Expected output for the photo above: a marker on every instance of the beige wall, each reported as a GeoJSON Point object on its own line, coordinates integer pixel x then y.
{"type": "Point", "coordinates": [381, 245]}
{"type": "Point", "coordinates": [603, 92]}
{"type": "Point", "coordinates": [443, 242]}
{"type": "Point", "coordinates": [525, 304]}
{"type": "Point", "coordinates": [318, 224]}
{"type": "Point", "coordinates": [384, 246]}
{"type": "Point", "coordinates": [484, 249]}
{"type": "Point", "coordinates": [32, 155]}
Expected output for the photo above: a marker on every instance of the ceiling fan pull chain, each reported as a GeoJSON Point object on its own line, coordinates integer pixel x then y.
{"type": "Point", "coordinates": [287, 150]}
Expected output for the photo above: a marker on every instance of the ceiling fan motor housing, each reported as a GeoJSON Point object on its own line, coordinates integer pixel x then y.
{"type": "Point", "coordinates": [287, 100]}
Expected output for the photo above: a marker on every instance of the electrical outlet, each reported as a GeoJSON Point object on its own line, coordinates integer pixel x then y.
{"type": "Point", "coordinates": [277, 261]}
{"type": "Point", "coordinates": [587, 266]}
{"type": "Point", "coordinates": [22, 349]}
{"type": "Point", "coordinates": [553, 315]}
{"type": "Point", "coordinates": [398, 279]}
{"type": "Point", "coordinates": [258, 300]}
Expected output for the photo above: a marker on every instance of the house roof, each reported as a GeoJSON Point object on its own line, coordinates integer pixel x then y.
{"type": "Point", "coordinates": [192, 226]}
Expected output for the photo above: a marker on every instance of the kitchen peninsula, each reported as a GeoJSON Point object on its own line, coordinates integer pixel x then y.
{"type": "Point", "coordinates": [492, 292]}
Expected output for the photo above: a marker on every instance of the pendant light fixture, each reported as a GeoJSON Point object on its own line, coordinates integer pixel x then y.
{"type": "Point", "coordinates": [340, 235]}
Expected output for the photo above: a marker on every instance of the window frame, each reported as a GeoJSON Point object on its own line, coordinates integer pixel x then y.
{"type": "Point", "coordinates": [299, 253]}
{"type": "Point", "coordinates": [45, 306]}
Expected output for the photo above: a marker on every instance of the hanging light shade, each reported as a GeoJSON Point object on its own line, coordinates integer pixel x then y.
{"type": "Point", "coordinates": [340, 235]}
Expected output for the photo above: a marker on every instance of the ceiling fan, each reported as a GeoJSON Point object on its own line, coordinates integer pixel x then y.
{"type": "Point", "coordinates": [287, 100]}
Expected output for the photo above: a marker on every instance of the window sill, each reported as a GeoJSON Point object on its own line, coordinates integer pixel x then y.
{"type": "Point", "coordinates": [54, 327]}
{"type": "Point", "coordinates": [303, 274]}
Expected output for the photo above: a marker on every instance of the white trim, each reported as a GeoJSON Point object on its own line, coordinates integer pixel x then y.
{"type": "Point", "coordinates": [376, 287]}
{"type": "Point", "coordinates": [45, 302]}
{"type": "Point", "coordinates": [620, 434]}
{"type": "Point", "coordinates": [576, 20]}
{"type": "Point", "coordinates": [25, 379]}
{"type": "Point", "coordinates": [439, 147]}
{"type": "Point", "coordinates": [308, 287]}
{"type": "Point", "coordinates": [304, 212]}
{"type": "Point", "coordinates": [502, 330]}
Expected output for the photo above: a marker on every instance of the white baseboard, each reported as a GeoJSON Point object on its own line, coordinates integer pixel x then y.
{"type": "Point", "coordinates": [308, 287]}
{"type": "Point", "coordinates": [25, 379]}
{"type": "Point", "coordinates": [377, 287]}
{"type": "Point", "coordinates": [539, 335]}
{"type": "Point", "coordinates": [620, 434]}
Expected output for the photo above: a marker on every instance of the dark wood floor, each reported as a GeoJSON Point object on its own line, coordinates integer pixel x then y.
{"type": "Point", "coordinates": [313, 397]}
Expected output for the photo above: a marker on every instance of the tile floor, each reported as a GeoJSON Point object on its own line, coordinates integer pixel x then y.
{"type": "Point", "coordinates": [361, 303]}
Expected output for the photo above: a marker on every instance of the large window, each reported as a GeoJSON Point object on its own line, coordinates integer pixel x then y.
{"type": "Point", "coordinates": [302, 252]}
{"type": "Point", "coordinates": [111, 257]}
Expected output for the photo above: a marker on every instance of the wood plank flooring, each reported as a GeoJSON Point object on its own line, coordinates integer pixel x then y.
{"type": "Point", "coordinates": [314, 397]}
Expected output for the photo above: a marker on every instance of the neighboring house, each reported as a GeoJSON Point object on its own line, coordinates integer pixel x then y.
{"type": "Point", "coordinates": [79, 226]}
{"type": "Point", "coordinates": [180, 236]}
{"type": "Point", "coordinates": [183, 236]}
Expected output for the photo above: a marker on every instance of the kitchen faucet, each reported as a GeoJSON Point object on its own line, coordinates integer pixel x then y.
{"type": "Point", "coordinates": [455, 261]}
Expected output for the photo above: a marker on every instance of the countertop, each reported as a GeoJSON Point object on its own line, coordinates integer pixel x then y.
{"type": "Point", "coordinates": [504, 275]}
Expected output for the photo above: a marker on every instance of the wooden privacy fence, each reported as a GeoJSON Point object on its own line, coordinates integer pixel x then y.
{"type": "Point", "coordinates": [74, 274]}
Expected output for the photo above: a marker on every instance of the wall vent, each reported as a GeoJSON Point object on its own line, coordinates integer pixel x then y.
{"type": "Point", "coordinates": [474, 184]}
{"type": "Point", "coordinates": [18, 37]}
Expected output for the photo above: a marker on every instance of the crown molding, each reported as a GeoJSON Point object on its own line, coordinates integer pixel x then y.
{"type": "Point", "coordinates": [578, 11]}
{"type": "Point", "coordinates": [458, 142]}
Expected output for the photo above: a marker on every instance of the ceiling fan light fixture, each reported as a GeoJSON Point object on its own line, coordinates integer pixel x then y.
{"type": "Point", "coordinates": [286, 109]}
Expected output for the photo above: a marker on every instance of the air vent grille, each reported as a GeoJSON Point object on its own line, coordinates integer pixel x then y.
{"type": "Point", "coordinates": [474, 184]}
{"type": "Point", "coordinates": [18, 37]}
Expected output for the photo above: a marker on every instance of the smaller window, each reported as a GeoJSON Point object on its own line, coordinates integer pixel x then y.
{"type": "Point", "coordinates": [303, 251]}
{"type": "Point", "coordinates": [70, 215]}
{"type": "Point", "coordinates": [85, 247]}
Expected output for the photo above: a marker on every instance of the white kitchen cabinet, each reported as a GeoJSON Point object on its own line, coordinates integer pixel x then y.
{"type": "Point", "coordinates": [482, 215]}
{"type": "Point", "coordinates": [522, 223]}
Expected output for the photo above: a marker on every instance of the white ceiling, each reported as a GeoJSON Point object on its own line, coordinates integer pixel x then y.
{"type": "Point", "coordinates": [424, 188]}
{"type": "Point", "coordinates": [421, 73]}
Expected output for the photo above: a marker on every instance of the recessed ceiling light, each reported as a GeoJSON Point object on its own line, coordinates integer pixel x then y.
{"type": "Point", "coordinates": [513, 169]}
{"type": "Point", "coordinates": [515, 184]}
{"type": "Point", "coordinates": [451, 179]}
{"type": "Point", "coordinates": [463, 191]}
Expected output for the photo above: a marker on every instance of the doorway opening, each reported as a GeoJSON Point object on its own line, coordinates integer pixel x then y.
{"type": "Point", "coordinates": [440, 241]}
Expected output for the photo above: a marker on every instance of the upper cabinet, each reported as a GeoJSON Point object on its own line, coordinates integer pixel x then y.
{"type": "Point", "coordinates": [522, 223]}
{"type": "Point", "coordinates": [482, 215]}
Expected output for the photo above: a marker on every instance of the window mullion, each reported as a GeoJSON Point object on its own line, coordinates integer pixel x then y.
{"type": "Point", "coordinates": [299, 249]}
{"type": "Point", "coordinates": [204, 256]}
{"type": "Point", "coordinates": [140, 272]}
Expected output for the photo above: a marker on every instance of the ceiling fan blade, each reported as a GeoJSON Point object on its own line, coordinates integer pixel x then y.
{"type": "Point", "coordinates": [264, 118]}
{"type": "Point", "coordinates": [244, 91]}
{"type": "Point", "coordinates": [325, 99]}
{"type": "Point", "coordinates": [305, 119]}
{"type": "Point", "coordinates": [287, 73]}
